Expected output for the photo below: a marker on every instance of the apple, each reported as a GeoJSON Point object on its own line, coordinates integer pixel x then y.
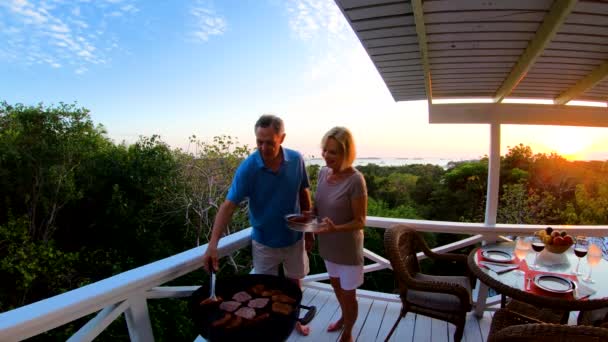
{"type": "Point", "coordinates": [558, 241]}
{"type": "Point", "coordinates": [568, 240]}
{"type": "Point", "coordinates": [554, 234]}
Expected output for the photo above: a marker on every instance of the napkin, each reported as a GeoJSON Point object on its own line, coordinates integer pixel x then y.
{"type": "Point", "coordinates": [581, 290]}
{"type": "Point", "coordinates": [498, 268]}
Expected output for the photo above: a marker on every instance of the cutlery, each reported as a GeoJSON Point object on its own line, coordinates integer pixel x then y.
{"type": "Point", "coordinates": [498, 268]}
{"type": "Point", "coordinates": [212, 296]}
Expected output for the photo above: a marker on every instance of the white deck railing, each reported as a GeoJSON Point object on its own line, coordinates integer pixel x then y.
{"type": "Point", "coordinates": [129, 291]}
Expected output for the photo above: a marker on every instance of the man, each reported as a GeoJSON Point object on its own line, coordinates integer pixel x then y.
{"type": "Point", "coordinates": [275, 181]}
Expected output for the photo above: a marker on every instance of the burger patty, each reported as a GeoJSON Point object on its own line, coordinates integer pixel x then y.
{"type": "Point", "coordinates": [258, 303]}
{"type": "Point", "coordinates": [245, 312]}
{"type": "Point", "coordinates": [242, 296]}
{"type": "Point", "coordinates": [230, 305]}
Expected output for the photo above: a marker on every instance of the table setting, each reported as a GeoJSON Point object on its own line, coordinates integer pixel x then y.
{"type": "Point", "coordinates": [547, 265]}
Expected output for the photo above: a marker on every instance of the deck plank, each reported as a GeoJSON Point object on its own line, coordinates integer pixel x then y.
{"type": "Point", "coordinates": [422, 328]}
{"type": "Point", "coordinates": [390, 316]}
{"type": "Point", "coordinates": [484, 325]}
{"type": "Point", "coordinates": [451, 331]}
{"type": "Point", "coordinates": [472, 333]}
{"type": "Point", "coordinates": [439, 330]}
{"type": "Point", "coordinates": [373, 321]}
{"type": "Point", "coordinates": [405, 329]}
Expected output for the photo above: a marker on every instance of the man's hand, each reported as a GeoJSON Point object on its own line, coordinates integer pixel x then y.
{"type": "Point", "coordinates": [309, 241]}
{"type": "Point", "coordinates": [210, 259]}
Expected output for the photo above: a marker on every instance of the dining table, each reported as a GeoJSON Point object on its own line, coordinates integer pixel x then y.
{"type": "Point", "coordinates": [551, 285]}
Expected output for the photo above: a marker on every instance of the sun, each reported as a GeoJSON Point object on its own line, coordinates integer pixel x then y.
{"type": "Point", "coordinates": [569, 142]}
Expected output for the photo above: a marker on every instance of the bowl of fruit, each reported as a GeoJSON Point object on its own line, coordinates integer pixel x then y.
{"type": "Point", "coordinates": [555, 241]}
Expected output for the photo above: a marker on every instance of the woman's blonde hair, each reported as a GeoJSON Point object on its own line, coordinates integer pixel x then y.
{"type": "Point", "coordinates": [346, 143]}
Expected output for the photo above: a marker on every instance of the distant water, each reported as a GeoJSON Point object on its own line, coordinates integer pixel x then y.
{"type": "Point", "coordinates": [443, 162]}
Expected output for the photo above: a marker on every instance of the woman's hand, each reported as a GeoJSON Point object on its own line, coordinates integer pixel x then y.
{"type": "Point", "coordinates": [327, 226]}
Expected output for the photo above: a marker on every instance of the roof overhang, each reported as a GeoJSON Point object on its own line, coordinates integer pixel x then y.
{"type": "Point", "coordinates": [518, 114]}
{"type": "Point", "coordinates": [517, 49]}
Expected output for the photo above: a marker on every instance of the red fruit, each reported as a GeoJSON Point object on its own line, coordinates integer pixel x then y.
{"type": "Point", "coordinates": [558, 241]}
{"type": "Point", "coordinates": [555, 233]}
{"type": "Point", "coordinates": [568, 240]}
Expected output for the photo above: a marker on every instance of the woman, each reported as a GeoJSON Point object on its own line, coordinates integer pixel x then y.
{"type": "Point", "coordinates": [341, 201]}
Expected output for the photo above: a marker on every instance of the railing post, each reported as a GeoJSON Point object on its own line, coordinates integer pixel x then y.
{"type": "Point", "coordinates": [138, 319]}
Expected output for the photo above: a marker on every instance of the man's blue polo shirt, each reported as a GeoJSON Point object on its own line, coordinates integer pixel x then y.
{"type": "Point", "coordinates": [272, 195]}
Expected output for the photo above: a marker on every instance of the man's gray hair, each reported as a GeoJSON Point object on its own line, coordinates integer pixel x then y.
{"type": "Point", "coordinates": [269, 120]}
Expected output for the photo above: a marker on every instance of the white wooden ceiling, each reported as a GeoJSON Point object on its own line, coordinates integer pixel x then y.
{"type": "Point", "coordinates": [486, 48]}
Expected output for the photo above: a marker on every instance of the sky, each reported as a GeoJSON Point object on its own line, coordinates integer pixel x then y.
{"type": "Point", "coordinates": [209, 68]}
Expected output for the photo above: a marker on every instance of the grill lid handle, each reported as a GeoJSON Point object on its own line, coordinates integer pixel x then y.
{"type": "Point", "coordinates": [312, 310]}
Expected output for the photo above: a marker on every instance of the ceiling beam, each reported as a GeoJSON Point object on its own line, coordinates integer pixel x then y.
{"type": "Point", "coordinates": [422, 46]}
{"type": "Point", "coordinates": [583, 85]}
{"type": "Point", "coordinates": [545, 33]}
{"type": "Point", "coordinates": [518, 114]}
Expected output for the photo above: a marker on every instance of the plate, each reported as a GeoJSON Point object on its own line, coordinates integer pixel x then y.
{"type": "Point", "coordinates": [302, 223]}
{"type": "Point", "coordinates": [553, 283]}
{"type": "Point", "coordinates": [497, 255]}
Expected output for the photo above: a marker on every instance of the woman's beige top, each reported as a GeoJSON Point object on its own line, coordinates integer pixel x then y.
{"type": "Point", "coordinates": [333, 200]}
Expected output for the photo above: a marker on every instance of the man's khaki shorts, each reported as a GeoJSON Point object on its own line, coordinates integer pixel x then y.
{"type": "Point", "coordinates": [294, 258]}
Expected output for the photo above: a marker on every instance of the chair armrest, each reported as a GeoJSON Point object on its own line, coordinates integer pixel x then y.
{"type": "Point", "coordinates": [453, 257]}
{"type": "Point", "coordinates": [459, 258]}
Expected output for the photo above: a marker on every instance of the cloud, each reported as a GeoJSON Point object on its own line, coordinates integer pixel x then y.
{"type": "Point", "coordinates": [207, 22]}
{"type": "Point", "coordinates": [334, 50]}
{"type": "Point", "coordinates": [311, 18]}
{"type": "Point", "coordinates": [59, 33]}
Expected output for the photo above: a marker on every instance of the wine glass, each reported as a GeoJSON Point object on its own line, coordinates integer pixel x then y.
{"type": "Point", "coordinates": [522, 247]}
{"type": "Point", "coordinates": [537, 245]}
{"type": "Point", "coordinates": [594, 256]}
{"type": "Point", "coordinates": [580, 250]}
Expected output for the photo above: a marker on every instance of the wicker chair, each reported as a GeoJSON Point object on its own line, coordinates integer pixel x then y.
{"type": "Point", "coordinates": [597, 318]}
{"type": "Point", "coordinates": [446, 298]}
{"type": "Point", "coordinates": [511, 326]}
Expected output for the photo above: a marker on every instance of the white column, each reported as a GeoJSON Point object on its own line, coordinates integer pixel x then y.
{"type": "Point", "coordinates": [493, 175]}
{"type": "Point", "coordinates": [491, 203]}
{"type": "Point", "coordinates": [138, 320]}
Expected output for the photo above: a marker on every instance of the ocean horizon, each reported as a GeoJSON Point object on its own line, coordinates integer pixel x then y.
{"type": "Point", "coordinates": [398, 161]}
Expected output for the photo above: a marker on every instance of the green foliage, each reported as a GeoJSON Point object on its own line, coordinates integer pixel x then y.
{"type": "Point", "coordinates": [592, 203]}
{"type": "Point", "coordinates": [47, 146]}
{"type": "Point", "coordinates": [25, 265]}
{"type": "Point", "coordinates": [462, 194]}
{"type": "Point", "coordinates": [382, 209]}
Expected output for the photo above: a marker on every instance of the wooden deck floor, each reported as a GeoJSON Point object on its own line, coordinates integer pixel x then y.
{"type": "Point", "coordinates": [376, 317]}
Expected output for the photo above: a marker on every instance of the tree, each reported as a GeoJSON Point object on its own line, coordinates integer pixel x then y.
{"type": "Point", "coordinates": [593, 203]}
{"type": "Point", "coordinates": [41, 149]}
{"type": "Point", "coordinates": [203, 181]}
